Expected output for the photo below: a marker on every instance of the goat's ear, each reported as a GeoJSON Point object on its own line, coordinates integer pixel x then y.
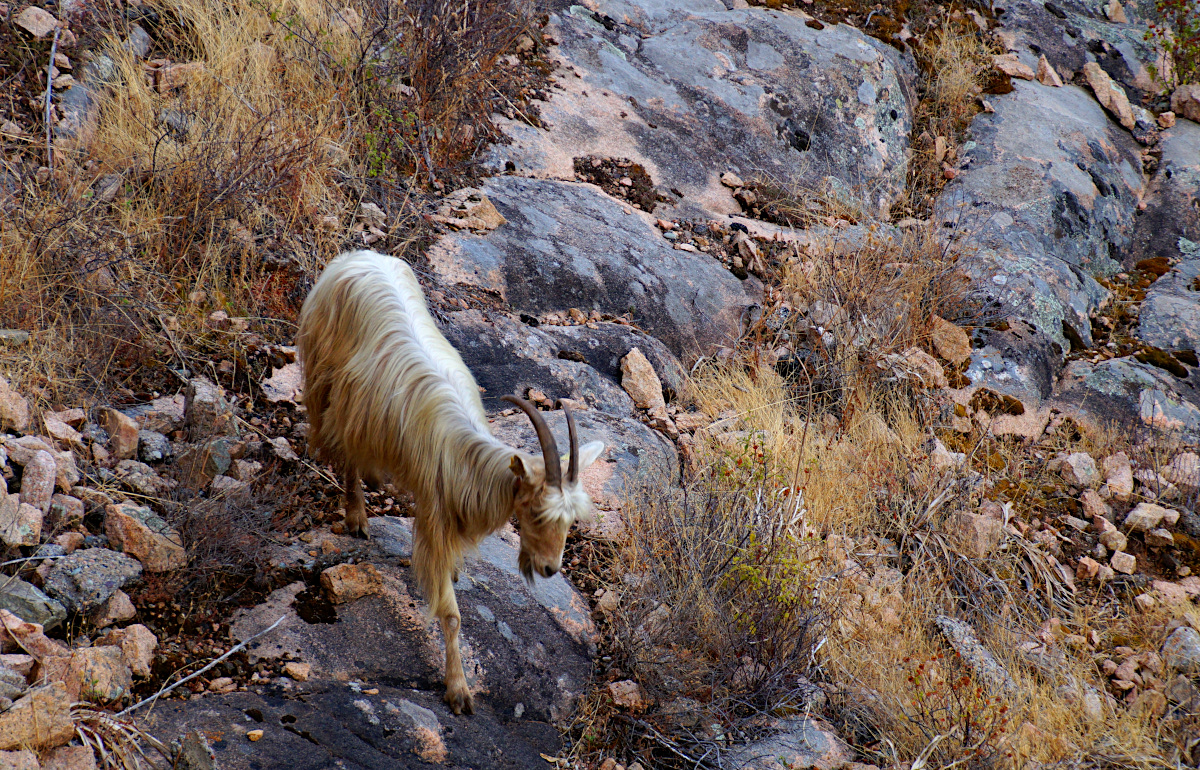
{"type": "Point", "coordinates": [519, 468]}
{"type": "Point", "coordinates": [588, 454]}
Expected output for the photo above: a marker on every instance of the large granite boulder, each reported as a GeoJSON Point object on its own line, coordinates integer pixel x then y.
{"type": "Point", "coordinates": [568, 245]}
{"type": "Point", "coordinates": [691, 89]}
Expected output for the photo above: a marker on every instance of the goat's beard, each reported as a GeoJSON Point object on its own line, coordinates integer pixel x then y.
{"type": "Point", "coordinates": [526, 565]}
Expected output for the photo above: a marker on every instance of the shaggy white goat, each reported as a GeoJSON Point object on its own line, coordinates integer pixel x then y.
{"type": "Point", "coordinates": [389, 398]}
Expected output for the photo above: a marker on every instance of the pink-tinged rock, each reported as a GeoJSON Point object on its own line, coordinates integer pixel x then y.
{"type": "Point", "coordinates": [115, 609]}
{"type": "Point", "coordinates": [1087, 568]}
{"type": "Point", "coordinates": [41, 718]}
{"type": "Point", "coordinates": [70, 758]}
{"type": "Point", "coordinates": [949, 340]}
{"type": "Point", "coordinates": [61, 432]}
{"type": "Point", "coordinates": [37, 481]}
{"type": "Point", "coordinates": [1110, 95]}
{"type": "Point", "coordinates": [14, 409]}
{"type": "Point", "coordinates": [1077, 469]}
{"type": "Point", "coordinates": [1122, 562]}
{"type": "Point", "coordinates": [19, 760]}
{"type": "Point", "coordinates": [174, 76]}
{"type": "Point", "coordinates": [20, 524]}
{"type": "Point", "coordinates": [1094, 505]}
{"type": "Point", "coordinates": [72, 417]}
{"type": "Point", "coordinates": [206, 411]}
{"type": "Point", "coordinates": [1118, 475]}
{"type": "Point", "coordinates": [142, 534]}
{"type": "Point", "coordinates": [96, 674]}
{"type": "Point", "coordinates": [1010, 65]}
{"type": "Point", "coordinates": [65, 512]}
{"type": "Point", "coordinates": [977, 535]}
{"type": "Point", "coordinates": [70, 542]}
{"type": "Point", "coordinates": [1147, 516]}
{"type": "Point", "coordinates": [36, 21]}
{"type": "Point", "coordinates": [137, 644]}
{"type": "Point", "coordinates": [20, 662]}
{"type": "Point", "coordinates": [347, 582]}
{"type": "Point", "coordinates": [1184, 471]}
{"type": "Point", "coordinates": [1046, 74]}
{"type": "Point", "coordinates": [1160, 538]}
{"type": "Point", "coordinates": [627, 694]}
{"type": "Point", "coordinates": [1166, 120]}
{"type": "Point", "coordinates": [1186, 101]}
{"type": "Point", "coordinates": [122, 433]}
{"type": "Point", "coordinates": [17, 635]}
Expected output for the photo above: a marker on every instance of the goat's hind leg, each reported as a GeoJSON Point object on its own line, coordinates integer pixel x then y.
{"type": "Point", "coordinates": [356, 504]}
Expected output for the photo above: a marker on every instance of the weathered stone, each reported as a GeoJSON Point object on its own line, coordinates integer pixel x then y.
{"type": "Point", "coordinates": [1094, 505]}
{"type": "Point", "coordinates": [688, 301]}
{"type": "Point", "coordinates": [1114, 540]}
{"type": "Point", "coordinates": [795, 742]}
{"type": "Point", "coordinates": [1087, 568]}
{"type": "Point", "coordinates": [1147, 516]}
{"type": "Point", "coordinates": [85, 579]}
{"type": "Point", "coordinates": [115, 609]}
{"type": "Point", "coordinates": [950, 341]}
{"type": "Point", "coordinates": [206, 412]}
{"type": "Point", "coordinates": [966, 643]}
{"type": "Point", "coordinates": [195, 753]}
{"type": "Point", "coordinates": [282, 448]}
{"type": "Point", "coordinates": [65, 512]}
{"type": "Point", "coordinates": [666, 66]}
{"type": "Point", "coordinates": [929, 373]}
{"type": "Point", "coordinates": [20, 524]}
{"type": "Point", "coordinates": [97, 674]}
{"type": "Point", "coordinates": [142, 534]}
{"type": "Point", "coordinates": [61, 431]}
{"type": "Point", "coordinates": [284, 384]}
{"type": "Point", "coordinates": [19, 760]}
{"type": "Point", "coordinates": [1046, 74]}
{"type": "Point", "coordinates": [1160, 538]}
{"type": "Point", "coordinates": [347, 582]}
{"type": "Point", "coordinates": [1184, 471]}
{"type": "Point", "coordinates": [70, 758]}
{"type": "Point", "coordinates": [137, 644]}
{"type": "Point", "coordinates": [640, 381]}
{"type": "Point", "coordinates": [41, 718]}
{"type": "Point", "coordinates": [122, 433]}
{"type": "Point", "coordinates": [1109, 94]}
{"type": "Point", "coordinates": [1010, 65]}
{"type": "Point", "coordinates": [14, 409]}
{"type": "Point", "coordinates": [977, 535]}
{"type": "Point", "coordinates": [1185, 102]}
{"type": "Point", "coordinates": [1181, 651]}
{"type": "Point", "coordinates": [1077, 469]}
{"type": "Point", "coordinates": [143, 479]}
{"type": "Point", "coordinates": [37, 481]}
{"type": "Point", "coordinates": [66, 472]}
{"type": "Point", "coordinates": [162, 415]}
{"type": "Point", "coordinates": [28, 603]}
{"type": "Point", "coordinates": [17, 634]}
{"type": "Point", "coordinates": [1122, 562]}
{"type": "Point", "coordinates": [1118, 475]}
{"type": "Point", "coordinates": [201, 464]}
{"type": "Point", "coordinates": [36, 21]}
{"type": "Point", "coordinates": [297, 670]}
{"type": "Point", "coordinates": [628, 695]}
{"type": "Point", "coordinates": [172, 76]}
{"type": "Point", "coordinates": [153, 446]}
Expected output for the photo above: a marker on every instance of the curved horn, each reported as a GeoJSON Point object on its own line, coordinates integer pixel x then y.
{"type": "Point", "coordinates": [573, 462]}
{"type": "Point", "coordinates": [550, 456]}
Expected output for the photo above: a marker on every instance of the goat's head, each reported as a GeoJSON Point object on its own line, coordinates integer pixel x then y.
{"type": "Point", "coordinates": [549, 498]}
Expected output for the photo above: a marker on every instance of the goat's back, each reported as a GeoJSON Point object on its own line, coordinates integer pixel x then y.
{"type": "Point", "coordinates": [384, 390]}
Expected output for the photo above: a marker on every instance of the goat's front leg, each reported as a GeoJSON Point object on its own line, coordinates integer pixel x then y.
{"type": "Point", "coordinates": [356, 505]}
{"type": "Point", "coordinates": [458, 697]}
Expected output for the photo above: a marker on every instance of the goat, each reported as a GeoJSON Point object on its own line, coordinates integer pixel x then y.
{"type": "Point", "coordinates": [388, 397]}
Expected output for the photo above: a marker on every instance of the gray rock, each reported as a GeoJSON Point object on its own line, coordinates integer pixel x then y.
{"type": "Point", "coordinates": [1169, 317]}
{"type": "Point", "coordinates": [13, 338]}
{"type": "Point", "coordinates": [195, 753]}
{"type": "Point", "coordinates": [704, 89]}
{"type": "Point", "coordinates": [1131, 393]}
{"type": "Point", "coordinates": [1076, 32]}
{"type": "Point", "coordinates": [153, 446]}
{"type": "Point", "coordinates": [576, 362]}
{"type": "Point", "coordinates": [1181, 651]}
{"type": "Point", "coordinates": [977, 657]}
{"type": "Point", "coordinates": [28, 603]}
{"type": "Point", "coordinates": [802, 742]}
{"type": "Point", "coordinates": [12, 684]}
{"type": "Point", "coordinates": [85, 579]}
{"type": "Point", "coordinates": [1171, 213]}
{"type": "Point", "coordinates": [1048, 198]}
{"type": "Point", "coordinates": [589, 254]}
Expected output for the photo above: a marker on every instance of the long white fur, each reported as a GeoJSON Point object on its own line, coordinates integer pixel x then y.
{"type": "Point", "coordinates": [389, 397]}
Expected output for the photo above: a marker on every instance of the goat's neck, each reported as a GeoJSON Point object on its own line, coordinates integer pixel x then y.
{"type": "Point", "coordinates": [482, 485]}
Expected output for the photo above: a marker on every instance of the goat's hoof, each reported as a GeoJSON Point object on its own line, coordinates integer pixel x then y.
{"type": "Point", "coordinates": [360, 531]}
{"type": "Point", "coordinates": [460, 701]}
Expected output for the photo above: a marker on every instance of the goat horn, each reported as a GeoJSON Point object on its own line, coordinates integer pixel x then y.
{"type": "Point", "coordinates": [549, 448]}
{"type": "Point", "coordinates": [573, 462]}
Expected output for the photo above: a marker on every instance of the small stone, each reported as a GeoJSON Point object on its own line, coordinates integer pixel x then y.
{"type": "Point", "coordinates": [641, 382]}
{"type": "Point", "coordinates": [206, 412]}
{"type": "Point", "coordinates": [70, 542]}
{"type": "Point", "coordinates": [1105, 574]}
{"type": "Point", "coordinates": [122, 433]}
{"type": "Point", "coordinates": [98, 674]}
{"type": "Point", "coordinates": [1046, 75]}
{"type": "Point", "coordinates": [70, 758]}
{"type": "Point", "coordinates": [255, 735]}
{"type": "Point", "coordinates": [1116, 12]}
{"type": "Point", "coordinates": [1159, 538]}
{"type": "Point", "coordinates": [20, 524]}
{"type": "Point", "coordinates": [1094, 506]}
{"type": "Point", "coordinates": [116, 609]}
{"type": "Point", "coordinates": [201, 464]}
{"type": "Point", "coordinates": [37, 482]}
{"type": "Point", "coordinates": [1181, 651]}
{"type": "Point", "coordinates": [942, 458]}
{"type": "Point", "coordinates": [1186, 102]}
{"type": "Point", "coordinates": [1110, 95]}
{"type": "Point", "coordinates": [41, 718]}
{"type": "Point", "coordinates": [1147, 516]}
{"type": "Point", "coordinates": [1118, 476]}
{"type": "Point", "coordinates": [61, 431]}
{"type": "Point", "coordinates": [153, 446]}
{"type": "Point", "coordinates": [1166, 119]}
{"type": "Point", "coordinates": [28, 603]}
{"type": "Point", "coordinates": [142, 534]}
{"type": "Point", "coordinates": [1144, 602]}
{"type": "Point", "coordinates": [85, 579]}
{"type": "Point", "coordinates": [1087, 568]}
{"type": "Point", "coordinates": [36, 21]}
{"type": "Point", "coordinates": [977, 535]}
{"type": "Point", "coordinates": [282, 449]}
{"type": "Point", "coordinates": [221, 685]}
{"type": "Point", "coordinates": [1077, 469]}
{"type": "Point", "coordinates": [732, 180]}
{"type": "Point", "coordinates": [177, 75]}
{"type": "Point", "coordinates": [1122, 562]}
{"type": "Point", "coordinates": [950, 341]}
{"type": "Point", "coordinates": [347, 582]}
{"type": "Point", "coordinates": [297, 670]}
{"type": "Point", "coordinates": [1079, 525]}
{"type": "Point", "coordinates": [627, 694]}
{"type": "Point", "coordinates": [1184, 471]}
{"type": "Point", "coordinates": [1010, 65]}
{"type": "Point", "coordinates": [137, 644]}
{"type": "Point", "coordinates": [926, 367]}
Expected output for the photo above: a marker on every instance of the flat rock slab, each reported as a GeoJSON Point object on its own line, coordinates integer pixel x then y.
{"type": "Point", "coordinates": [691, 89]}
{"type": "Point", "coordinates": [1128, 392]}
{"type": "Point", "coordinates": [526, 653]}
{"type": "Point", "coordinates": [568, 245]}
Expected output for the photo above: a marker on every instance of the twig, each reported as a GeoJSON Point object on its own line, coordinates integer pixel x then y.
{"type": "Point", "coordinates": [192, 676]}
{"type": "Point", "coordinates": [49, 94]}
